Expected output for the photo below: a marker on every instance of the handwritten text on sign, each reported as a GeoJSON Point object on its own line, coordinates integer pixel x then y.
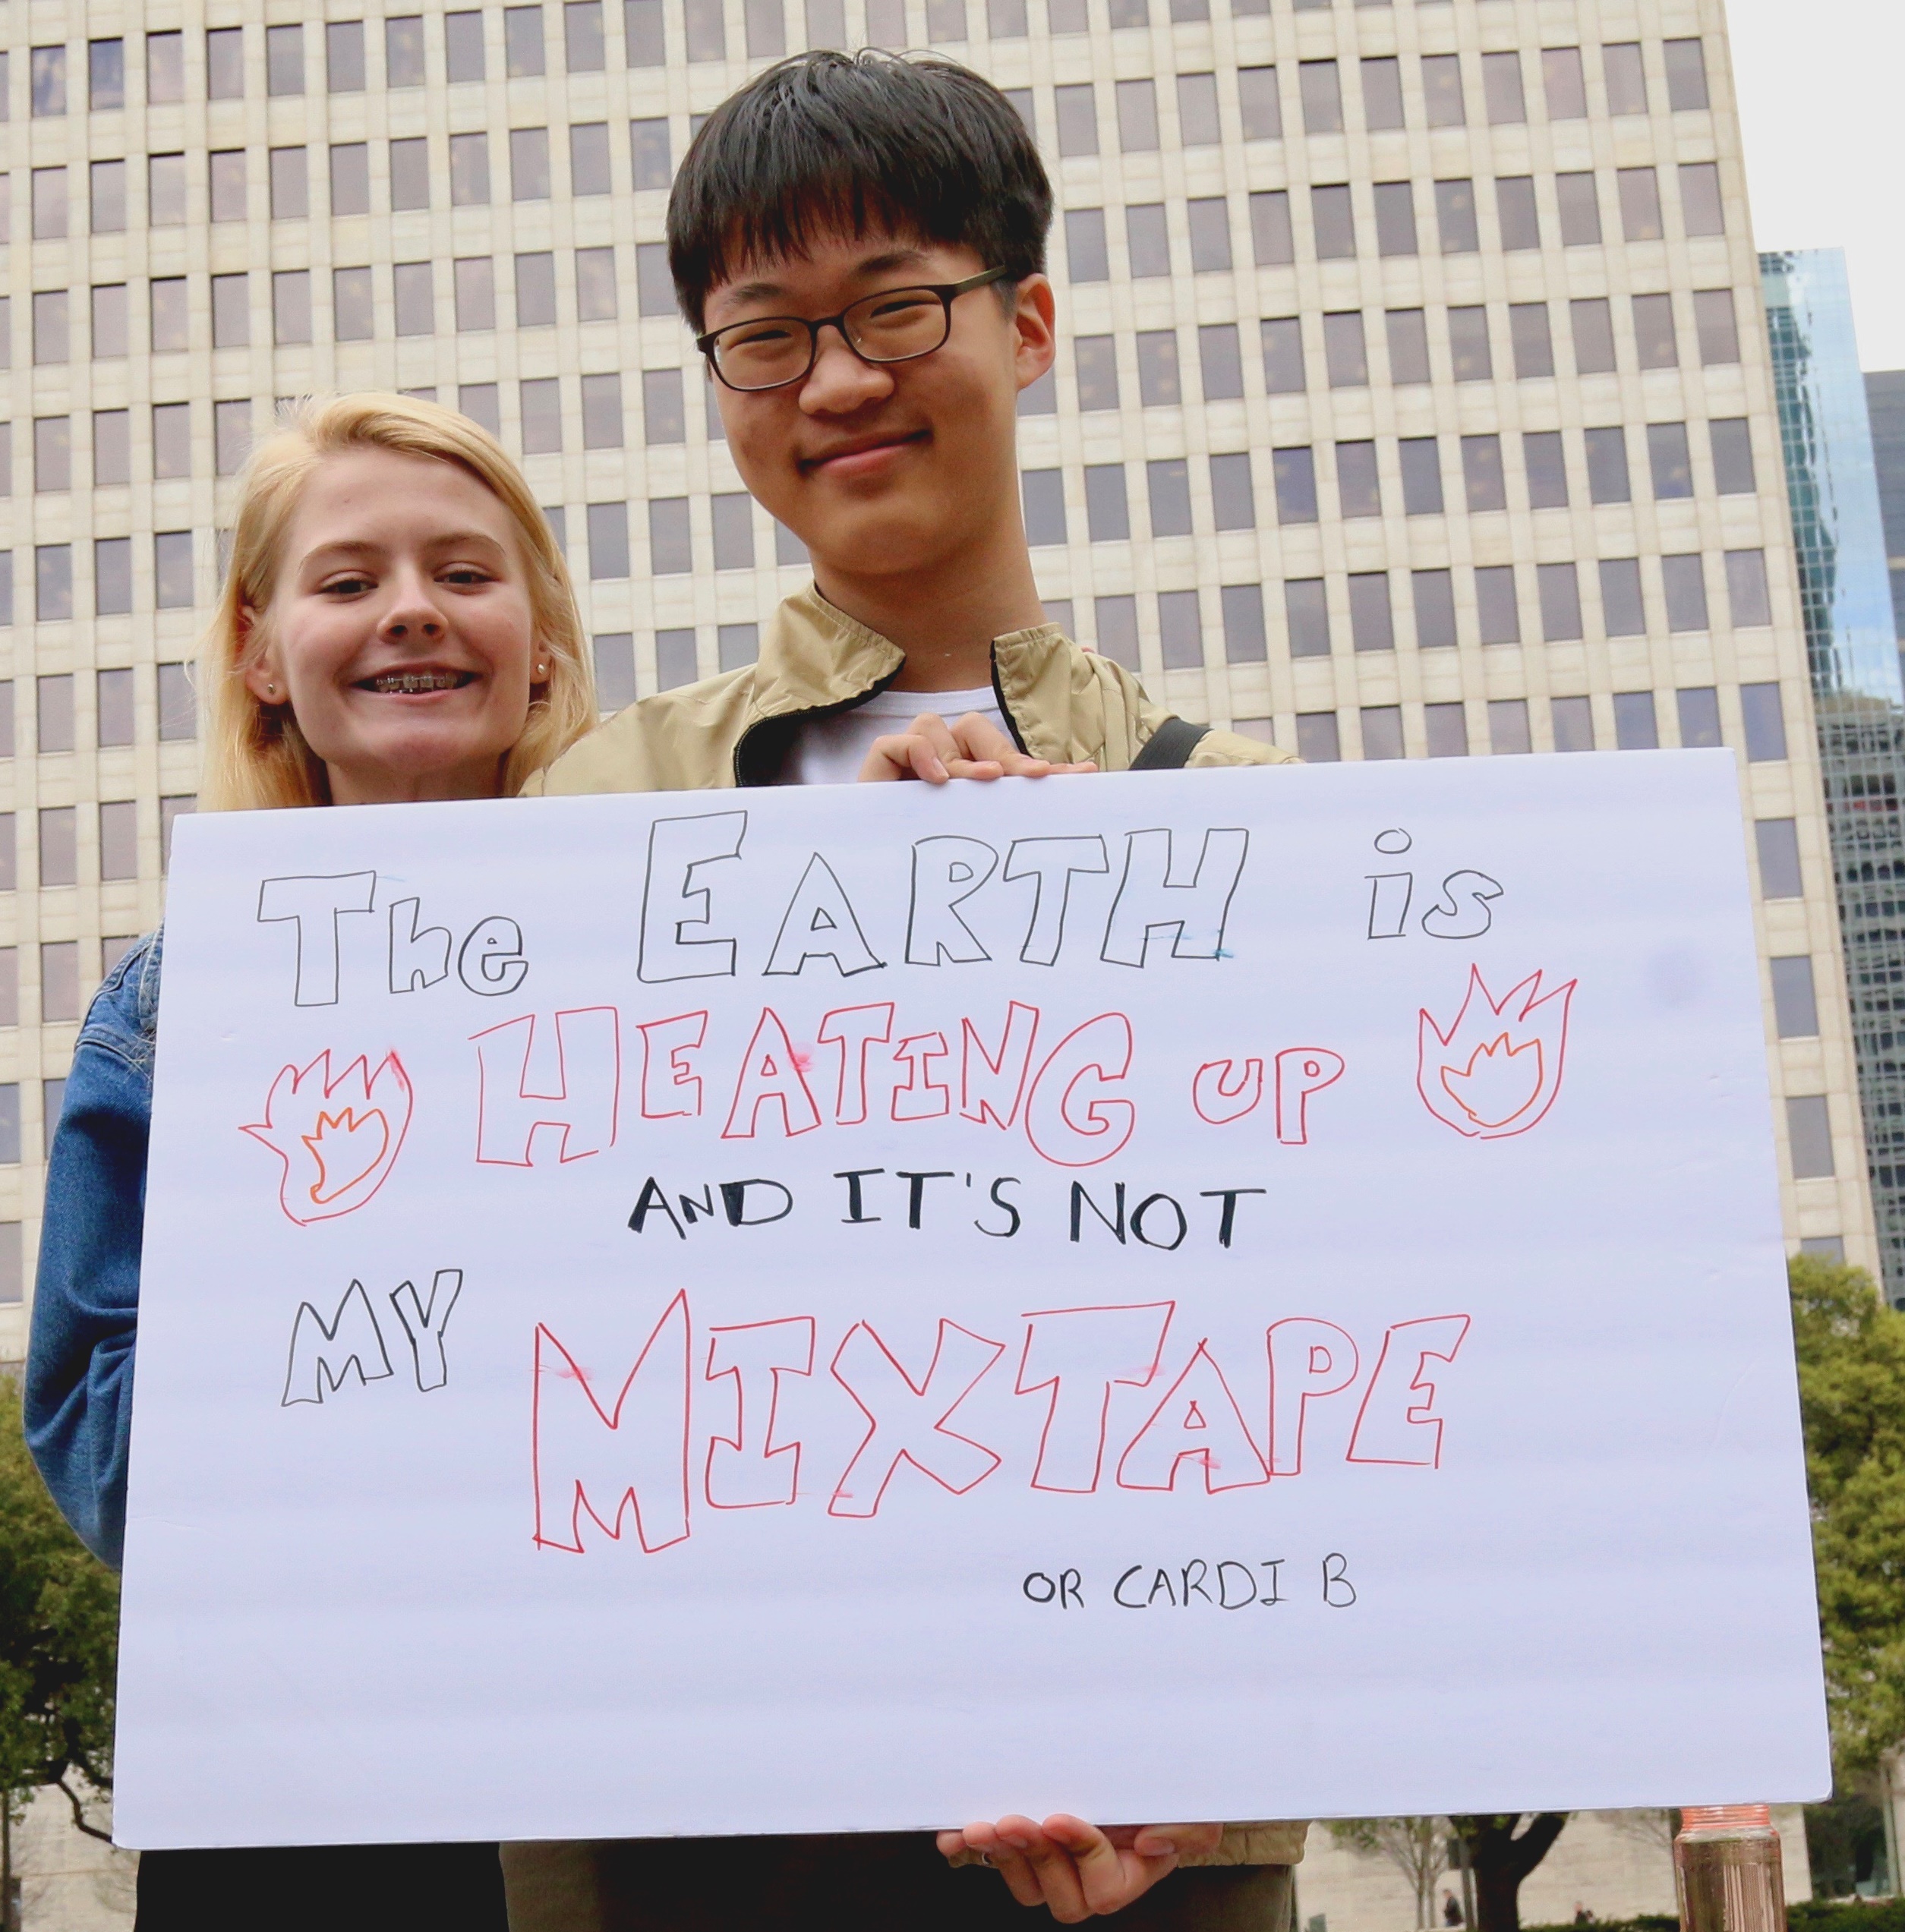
{"type": "Point", "coordinates": [768, 1261]}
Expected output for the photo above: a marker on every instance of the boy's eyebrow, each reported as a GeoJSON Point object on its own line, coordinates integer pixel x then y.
{"type": "Point", "coordinates": [762, 289]}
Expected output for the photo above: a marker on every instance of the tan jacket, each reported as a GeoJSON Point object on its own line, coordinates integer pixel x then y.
{"type": "Point", "coordinates": [1063, 704]}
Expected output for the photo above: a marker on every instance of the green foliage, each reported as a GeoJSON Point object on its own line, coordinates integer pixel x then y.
{"type": "Point", "coordinates": [58, 1632]}
{"type": "Point", "coordinates": [1852, 1393]}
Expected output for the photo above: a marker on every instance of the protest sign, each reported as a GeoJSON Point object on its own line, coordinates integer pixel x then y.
{"type": "Point", "coordinates": [1229, 1294]}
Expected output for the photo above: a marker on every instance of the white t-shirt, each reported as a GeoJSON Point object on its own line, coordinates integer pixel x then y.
{"type": "Point", "coordinates": [830, 750]}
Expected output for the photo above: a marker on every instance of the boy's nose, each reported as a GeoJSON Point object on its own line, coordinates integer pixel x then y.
{"type": "Point", "coordinates": [840, 380]}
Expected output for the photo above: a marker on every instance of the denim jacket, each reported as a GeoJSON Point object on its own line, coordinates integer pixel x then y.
{"type": "Point", "coordinates": [85, 1301]}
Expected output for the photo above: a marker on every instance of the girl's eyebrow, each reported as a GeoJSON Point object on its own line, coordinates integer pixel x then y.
{"type": "Point", "coordinates": [349, 549]}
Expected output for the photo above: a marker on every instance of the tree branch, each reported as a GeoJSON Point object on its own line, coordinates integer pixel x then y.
{"type": "Point", "coordinates": [79, 1815]}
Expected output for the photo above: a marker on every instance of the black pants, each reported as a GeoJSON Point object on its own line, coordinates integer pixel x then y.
{"type": "Point", "coordinates": [323, 1888]}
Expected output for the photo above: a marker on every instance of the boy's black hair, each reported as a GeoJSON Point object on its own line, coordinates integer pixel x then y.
{"type": "Point", "coordinates": [829, 142]}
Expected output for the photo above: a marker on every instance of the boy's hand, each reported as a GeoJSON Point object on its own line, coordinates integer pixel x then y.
{"type": "Point", "coordinates": [971, 747]}
{"type": "Point", "coordinates": [1077, 1870]}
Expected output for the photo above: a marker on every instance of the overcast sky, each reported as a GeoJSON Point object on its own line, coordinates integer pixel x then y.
{"type": "Point", "coordinates": [1822, 97]}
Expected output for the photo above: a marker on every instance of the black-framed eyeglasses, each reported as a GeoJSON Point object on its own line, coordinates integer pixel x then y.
{"type": "Point", "coordinates": [896, 325]}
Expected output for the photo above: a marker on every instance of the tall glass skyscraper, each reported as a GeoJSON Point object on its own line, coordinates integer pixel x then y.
{"type": "Point", "coordinates": [1857, 696]}
{"type": "Point", "coordinates": [1885, 404]}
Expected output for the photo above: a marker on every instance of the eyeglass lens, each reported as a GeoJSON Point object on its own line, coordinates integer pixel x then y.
{"type": "Point", "coordinates": [890, 326]}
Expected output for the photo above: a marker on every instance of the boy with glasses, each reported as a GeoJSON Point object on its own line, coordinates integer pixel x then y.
{"type": "Point", "coordinates": [859, 244]}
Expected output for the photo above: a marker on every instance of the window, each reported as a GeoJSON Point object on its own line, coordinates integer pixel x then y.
{"type": "Point", "coordinates": [107, 184]}
{"type": "Point", "coordinates": [52, 453]}
{"type": "Point", "coordinates": [1573, 719]}
{"type": "Point", "coordinates": [1283, 372]}
{"type": "Point", "coordinates": [1640, 204]}
{"type": "Point", "coordinates": [1442, 89]}
{"type": "Point", "coordinates": [469, 168]}
{"type": "Point", "coordinates": [48, 72]}
{"type": "Point", "coordinates": [1686, 75]}
{"type": "Point", "coordinates": [1501, 88]}
{"type": "Point", "coordinates": [290, 184]}
{"type": "Point", "coordinates": [344, 57]}
{"type": "Point", "coordinates": [112, 578]}
{"type": "Point", "coordinates": [588, 167]}
{"type": "Point", "coordinates": [171, 810]}
{"type": "Point", "coordinates": [528, 164]}
{"type": "Point", "coordinates": [172, 568]}
{"type": "Point", "coordinates": [733, 531]}
{"type": "Point", "coordinates": [1508, 733]}
{"type": "Point", "coordinates": [1233, 497]}
{"type": "Point", "coordinates": [670, 541]}
{"type": "Point", "coordinates": [1684, 579]}
{"type": "Point", "coordinates": [1137, 116]}
{"type": "Point", "coordinates": [1547, 470]}
{"type": "Point", "coordinates": [350, 306]}
{"type": "Point", "coordinates": [1481, 471]}
{"type": "Point", "coordinates": [232, 312]}
{"type": "Point", "coordinates": [1778, 845]}
{"type": "Point", "coordinates": [1445, 728]}
{"type": "Point", "coordinates": [350, 178]}
{"type": "Point", "coordinates": [646, 37]}
{"type": "Point", "coordinates": [1294, 473]}
{"type": "Point", "coordinates": [119, 839]}
{"type": "Point", "coordinates": [231, 436]}
{"type": "Point", "coordinates": [1607, 477]}
{"type": "Point", "coordinates": [463, 58]}
{"type": "Point", "coordinates": [49, 204]}
{"type": "Point", "coordinates": [1748, 597]}
{"type": "Point", "coordinates": [1180, 630]}
{"type": "Point", "coordinates": [164, 67]}
{"type": "Point", "coordinates": [1318, 740]}
{"type": "Point", "coordinates": [1306, 614]}
{"type": "Point", "coordinates": [1167, 485]}
{"type": "Point", "coordinates": [1408, 345]}
{"type": "Point", "coordinates": [1382, 92]}
{"type": "Point", "coordinates": [1701, 207]}
{"type": "Point", "coordinates": [172, 439]}
{"type": "Point", "coordinates": [1116, 621]}
{"type": "Point", "coordinates": [1527, 328]}
{"type": "Point", "coordinates": [664, 414]}
{"type": "Point", "coordinates": [284, 60]}
{"type": "Point", "coordinates": [474, 277]}
{"type": "Point", "coordinates": [1272, 240]}
{"type": "Point", "coordinates": [178, 706]}
{"type": "Point", "coordinates": [51, 342]}
{"type": "Point", "coordinates": [1732, 440]}
{"type": "Point", "coordinates": [1320, 91]}
{"type": "Point", "coordinates": [1626, 76]}
{"type": "Point", "coordinates": [1077, 111]}
{"type": "Point", "coordinates": [1578, 204]}
{"type": "Point", "coordinates": [1087, 257]}
{"type": "Point", "coordinates": [1455, 224]}
{"type": "Point", "coordinates": [1344, 356]}
{"type": "Point", "coordinates": [1564, 83]}
{"type": "Point", "coordinates": [1796, 1008]}
{"type": "Point", "coordinates": [1593, 322]}
{"type": "Point", "coordinates": [595, 285]}
{"type": "Point", "coordinates": [541, 406]}
{"type": "Point", "coordinates": [1372, 626]}
{"type": "Point", "coordinates": [522, 44]}
{"type": "Point", "coordinates": [649, 156]}
{"type": "Point", "coordinates": [482, 403]}
{"type": "Point", "coordinates": [227, 171]}
{"type": "Point", "coordinates": [1623, 610]}
{"type": "Point", "coordinates": [1045, 506]}
{"type": "Point", "coordinates": [536, 290]}
{"type": "Point", "coordinates": [1514, 208]}
{"type": "Point", "coordinates": [1434, 593]}
{"type": "Point", "coordinates": [1221, 357]}
{"type": "Point", "coordinates": [58, 846]}
{"type": "Point", "coordinates": [1468, 345]}
{"type": "Point", "coordinates": [1496, 607]}
{"type": "Point", "coordinates": [410, 169]}
{"type": "Point", "coordinates": [1359, 488]}
{"type": "Point", "coordinates": [1670, 460]}
{"type": "Point", "coordinates": [1335, 223]}
{"type": "Point", "coordinates": [614, 669]}
{"type": "Point", "coordinates": [111, 446]}
{"type": "Point", "coordinates": [1421, 464]}
{"type": "Point", "coordinates": [1258, 103]}
{"type": "Point", "coordinates": [1714, 323]}
{"type": "Point", "coordinates": [1158, 383]}
{"type": "Point", "coordinates": [52, 583]}
{"type": "Point", "coordinates": [1381, 731]}
{"type": "Point", "coordinates": [1209, 219]}
{"type": "Point", "coordinates": [1559, 590]}
{"type": "Point", "coordinates": [1395, 218]}
{"type": "Point", "coordinates": [403, 51]}
{"type": "Point", "coordinates": [1809, 1134]}
{"type": "Point", "coordinates": [1765, 723]}
{"type": "Point", "coordinates": [674, 659]}
{"type": "Point", "coordinates": [1147, 239]}
{"type": "Point", "coordinates": [608, 537]}
{"type": "Point", "coordinates": [415, 302]}
{"type": "Point", "coordinates": [111, 332]}
{"type": "Point", "coordinates": [54, 706]}
{"type": "Point", "coordinates": [1095, 361]}
{"type": "Point", "coordinates": [1107, 515]}
{"type": "Point", "coordinates": [584, 47]}
{"type": "Point", "coordinates": [225, 64]}
{"type": "Point", "coordinates": [602, 411]}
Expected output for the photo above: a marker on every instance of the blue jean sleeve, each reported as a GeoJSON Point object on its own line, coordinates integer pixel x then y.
{"type": "Point", "coordinates": [86, 1304]}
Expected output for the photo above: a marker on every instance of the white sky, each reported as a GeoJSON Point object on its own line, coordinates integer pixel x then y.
{"type": "Point", "coordinates": [1822, 98]}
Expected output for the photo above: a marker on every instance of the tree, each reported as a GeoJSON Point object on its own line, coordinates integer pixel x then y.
{"type": "Point", "coordinates": [58, 1628]}
{"type": "Point", "coordinates": [1417, 1848]}
{"type": "Point", "coordinates": [1851, 1350]}
{"type": "Point", "coordinates": [1502, 1849]}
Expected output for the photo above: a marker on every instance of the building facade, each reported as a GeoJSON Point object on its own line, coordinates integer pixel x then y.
{"type": "Point", "coordinates": [1413, 399]}
{"type": "Point", "coordinates": [1885, 405]}
{"type": "Point", "coordinates": [1858, 695]}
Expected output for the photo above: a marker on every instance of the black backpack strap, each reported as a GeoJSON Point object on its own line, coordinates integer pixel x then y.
{"type": "Point", "coordinates": [1168, 748]}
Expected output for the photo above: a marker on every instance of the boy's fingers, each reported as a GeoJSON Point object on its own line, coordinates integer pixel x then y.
{"type": "Point", "coordinates": [1109, 1879]}
{"type": "Point", "coordinates": [1009, 1859]}
{"type": "Point", "coordinates": [1185, 1841]}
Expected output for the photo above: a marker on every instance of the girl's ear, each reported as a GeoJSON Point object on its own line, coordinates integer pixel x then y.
{"type": "Point", "coordinates": [259, 673]}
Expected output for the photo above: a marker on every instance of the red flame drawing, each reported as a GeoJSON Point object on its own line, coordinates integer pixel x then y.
{"type": "Point", "coordinates": [1497, 1069]}
{"type": "Point", "coordinates": [337, 1137]}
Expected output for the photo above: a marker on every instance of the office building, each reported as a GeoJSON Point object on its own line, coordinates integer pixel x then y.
{"type": "Point", "coordinates": [1885, 405]}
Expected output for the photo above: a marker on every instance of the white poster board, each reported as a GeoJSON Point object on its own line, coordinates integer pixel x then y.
{"type": "Point", "coordinates": [1235, 1294]}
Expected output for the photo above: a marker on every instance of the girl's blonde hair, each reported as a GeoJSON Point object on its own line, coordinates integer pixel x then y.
{"type": "Point", "coordinates": [255, 756]}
